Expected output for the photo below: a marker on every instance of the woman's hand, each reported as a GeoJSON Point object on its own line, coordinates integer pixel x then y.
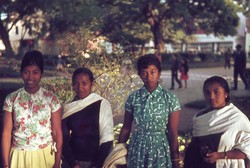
{"type": "Point", "coordinates": [57, 165]}
{"type": "Point", "coordinates": [212, 157]}
{"type": "Point", "coordinates": [76, 166]}
{"type": "Point", "coordinates": [232, 154]}
{"type": "Point", "coordinates": [176, 164]}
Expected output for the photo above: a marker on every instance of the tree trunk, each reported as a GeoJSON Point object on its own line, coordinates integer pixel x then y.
{"type": "Point", "coordinates": [158, 37]}
{"type": "Point", "coordinates": [6, 41]}
{"type": "Point", "coordinates": [155, 22]}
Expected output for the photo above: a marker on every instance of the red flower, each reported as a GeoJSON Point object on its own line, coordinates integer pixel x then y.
{"type": "Point", "coordinates": [24, 105]}
{"type": "Point", "coordinates": [42, 146]}
{"type": "Point", "coordinates": [43, 122]}
{"type": "Point", "coordinates": [23, 128]}
{"type": "Point", "coordinates": [36, 108]}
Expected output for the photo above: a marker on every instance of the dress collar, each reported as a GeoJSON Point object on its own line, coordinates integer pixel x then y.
{"type": "Point", "coordinates": [145, 93]}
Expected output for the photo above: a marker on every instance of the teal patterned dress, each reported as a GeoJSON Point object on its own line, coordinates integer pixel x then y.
{"type": "Point", "coordinates": [149, 145]}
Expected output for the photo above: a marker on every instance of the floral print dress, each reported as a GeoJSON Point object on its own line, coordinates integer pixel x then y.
{"type": "Point", "coordinates": [149, 145]}
{"type": "Point", "coordinates": [31, 115]}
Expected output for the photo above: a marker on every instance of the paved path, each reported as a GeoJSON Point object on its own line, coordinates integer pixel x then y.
{"type": "Point", "coordinates": [194, 91]}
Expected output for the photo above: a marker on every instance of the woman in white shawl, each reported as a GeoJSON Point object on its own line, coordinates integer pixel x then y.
{"type": "Point", "coordinates": [221, 137]}
{"type": "Point", "coordinates": [87, 125]}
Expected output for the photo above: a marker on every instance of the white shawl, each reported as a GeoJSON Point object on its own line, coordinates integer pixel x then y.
{"type": "Point", "coordinates": [236, 128]}
{"type": "Point", "coordinates": [117, 156]}
{"type": "Point", "coordinates": [73, 107]}
{"type": "Point", "coordinates": [106, 124]}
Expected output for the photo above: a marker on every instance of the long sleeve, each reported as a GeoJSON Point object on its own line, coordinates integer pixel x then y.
{"type": "Point", "coordinates": [67, 152]}
{"type": "Point", "coordinates": [103, 152]}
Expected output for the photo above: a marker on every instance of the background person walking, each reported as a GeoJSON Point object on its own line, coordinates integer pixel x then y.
{"type": "Point", "coordinates": [174, 72]}
{"type": "Point", "coordinates": [239, 67]}
{"type": "Point", "coordinates": [228, 56]}
{"type": "Point", "coordinates": [184, 71]}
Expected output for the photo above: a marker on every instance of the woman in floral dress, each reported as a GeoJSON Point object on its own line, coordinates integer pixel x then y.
{"type": "Point", "coordinates": [154, 143]}
{"type": "Point", "coordinates": [32, 136]}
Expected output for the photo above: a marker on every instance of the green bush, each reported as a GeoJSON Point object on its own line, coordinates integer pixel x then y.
{"type": "Point", "coordinates": [114, 73]}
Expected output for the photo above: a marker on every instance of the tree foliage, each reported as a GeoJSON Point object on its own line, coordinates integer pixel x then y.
{"type": "Point", "coordinates": [69, 15]}
{"type": "Point", "coordinates": [27, 11]}
{"type": "Point", "coordinates": [165, 19]}
{"type": "Point", "coordinates": [243, 6]}
{"type": "Point", "coordinates": [127, 22]}
{"type": "Point", "coordinates": [45, 18]}
{"type": "Point", "coordinates": [114, 73]}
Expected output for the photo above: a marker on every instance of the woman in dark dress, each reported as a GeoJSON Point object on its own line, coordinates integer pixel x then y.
{"type": "Point", "coordinates": [87, 125]}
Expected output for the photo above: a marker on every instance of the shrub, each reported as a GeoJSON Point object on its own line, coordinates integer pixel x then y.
{"type": "Point", "coordinates": [114, 73]}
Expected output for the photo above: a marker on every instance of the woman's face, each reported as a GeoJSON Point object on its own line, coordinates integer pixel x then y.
{"type": "Point", "coordinates": [215, 95]}
{"type": "Point", "coordinates": [82, 85]}
{"type": "Point", "coordinates": [150, 77]}
{"type": "Point", "coordinates": [31, 76]}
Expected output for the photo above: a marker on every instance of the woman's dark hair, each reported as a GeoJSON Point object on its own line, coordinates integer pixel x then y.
{"type": "Point", "coordinates": [32, 58]}
{"type": "Point", "coordinates": [85, 71]}
{"type": "Point", "coordinates": [238, 46]}
{"type": "Point", "coordinates": [223, 83]}
{"type": "Point", "coordinates": [147, 60]}
{"type": "Point", "coordinates": [185, 65]}
{"type": "Point", "coordinates": [185, 60]}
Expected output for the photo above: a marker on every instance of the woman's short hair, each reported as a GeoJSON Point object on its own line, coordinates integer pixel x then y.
{"type": "Point", "coordinates": [85, 71]}
{"type": "Point", "coordinates": [221, 81]}
{"type": "Point", "coordinates": [238, 46]}
{"type": "Point", "coordinates": [147, 60]}
{"type": "Point", "coordinates": [33, 57]}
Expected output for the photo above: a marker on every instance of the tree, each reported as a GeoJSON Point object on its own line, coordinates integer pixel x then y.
{"type": "Point", "coordinates": [69, 15]}
{"type": "Point", "coordinates": [113, 73]}
{"type": "Point", "coordinates": [167, 17]}
{"type": "Point", "coordinates": [243, 6]}
{"type": "Point", "coordinates": [45, 18]}
{"type": "Point", "coordinates": [13, 12]}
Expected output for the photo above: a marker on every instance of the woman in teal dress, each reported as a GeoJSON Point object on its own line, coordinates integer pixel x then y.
{"type": "Point", "coordinates": [155, 112]}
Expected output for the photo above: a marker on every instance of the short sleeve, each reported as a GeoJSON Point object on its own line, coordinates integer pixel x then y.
{"type": "Point", "coordinates": [174, 103]}
{"type": "Point", "coordinates": [51, 99]}
{"type": "Point", "coordinates": [8, 103]}
{"type": "Point", "coordinates": [128, 104]}
{"type": "Point", "coordinates": [55, 104]}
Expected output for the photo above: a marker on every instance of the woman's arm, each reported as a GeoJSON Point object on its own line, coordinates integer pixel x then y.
{"type": "Point", "coordinates": [67, 155]}
{"type": "Point", "coordinates": [126, 128]}
{"type": "Point", "coordinates": [103, 152]}
{"type": "Point", "coordinates": [239, 151]}
{"type": "Point", "coordinates": [173, 124]}
{"type": "Point", "coordinates": [6, 137]}
{"type": "Point", "coordinates": [232, 154]}
{"type": "Point", "coordinates": [57, 136]}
